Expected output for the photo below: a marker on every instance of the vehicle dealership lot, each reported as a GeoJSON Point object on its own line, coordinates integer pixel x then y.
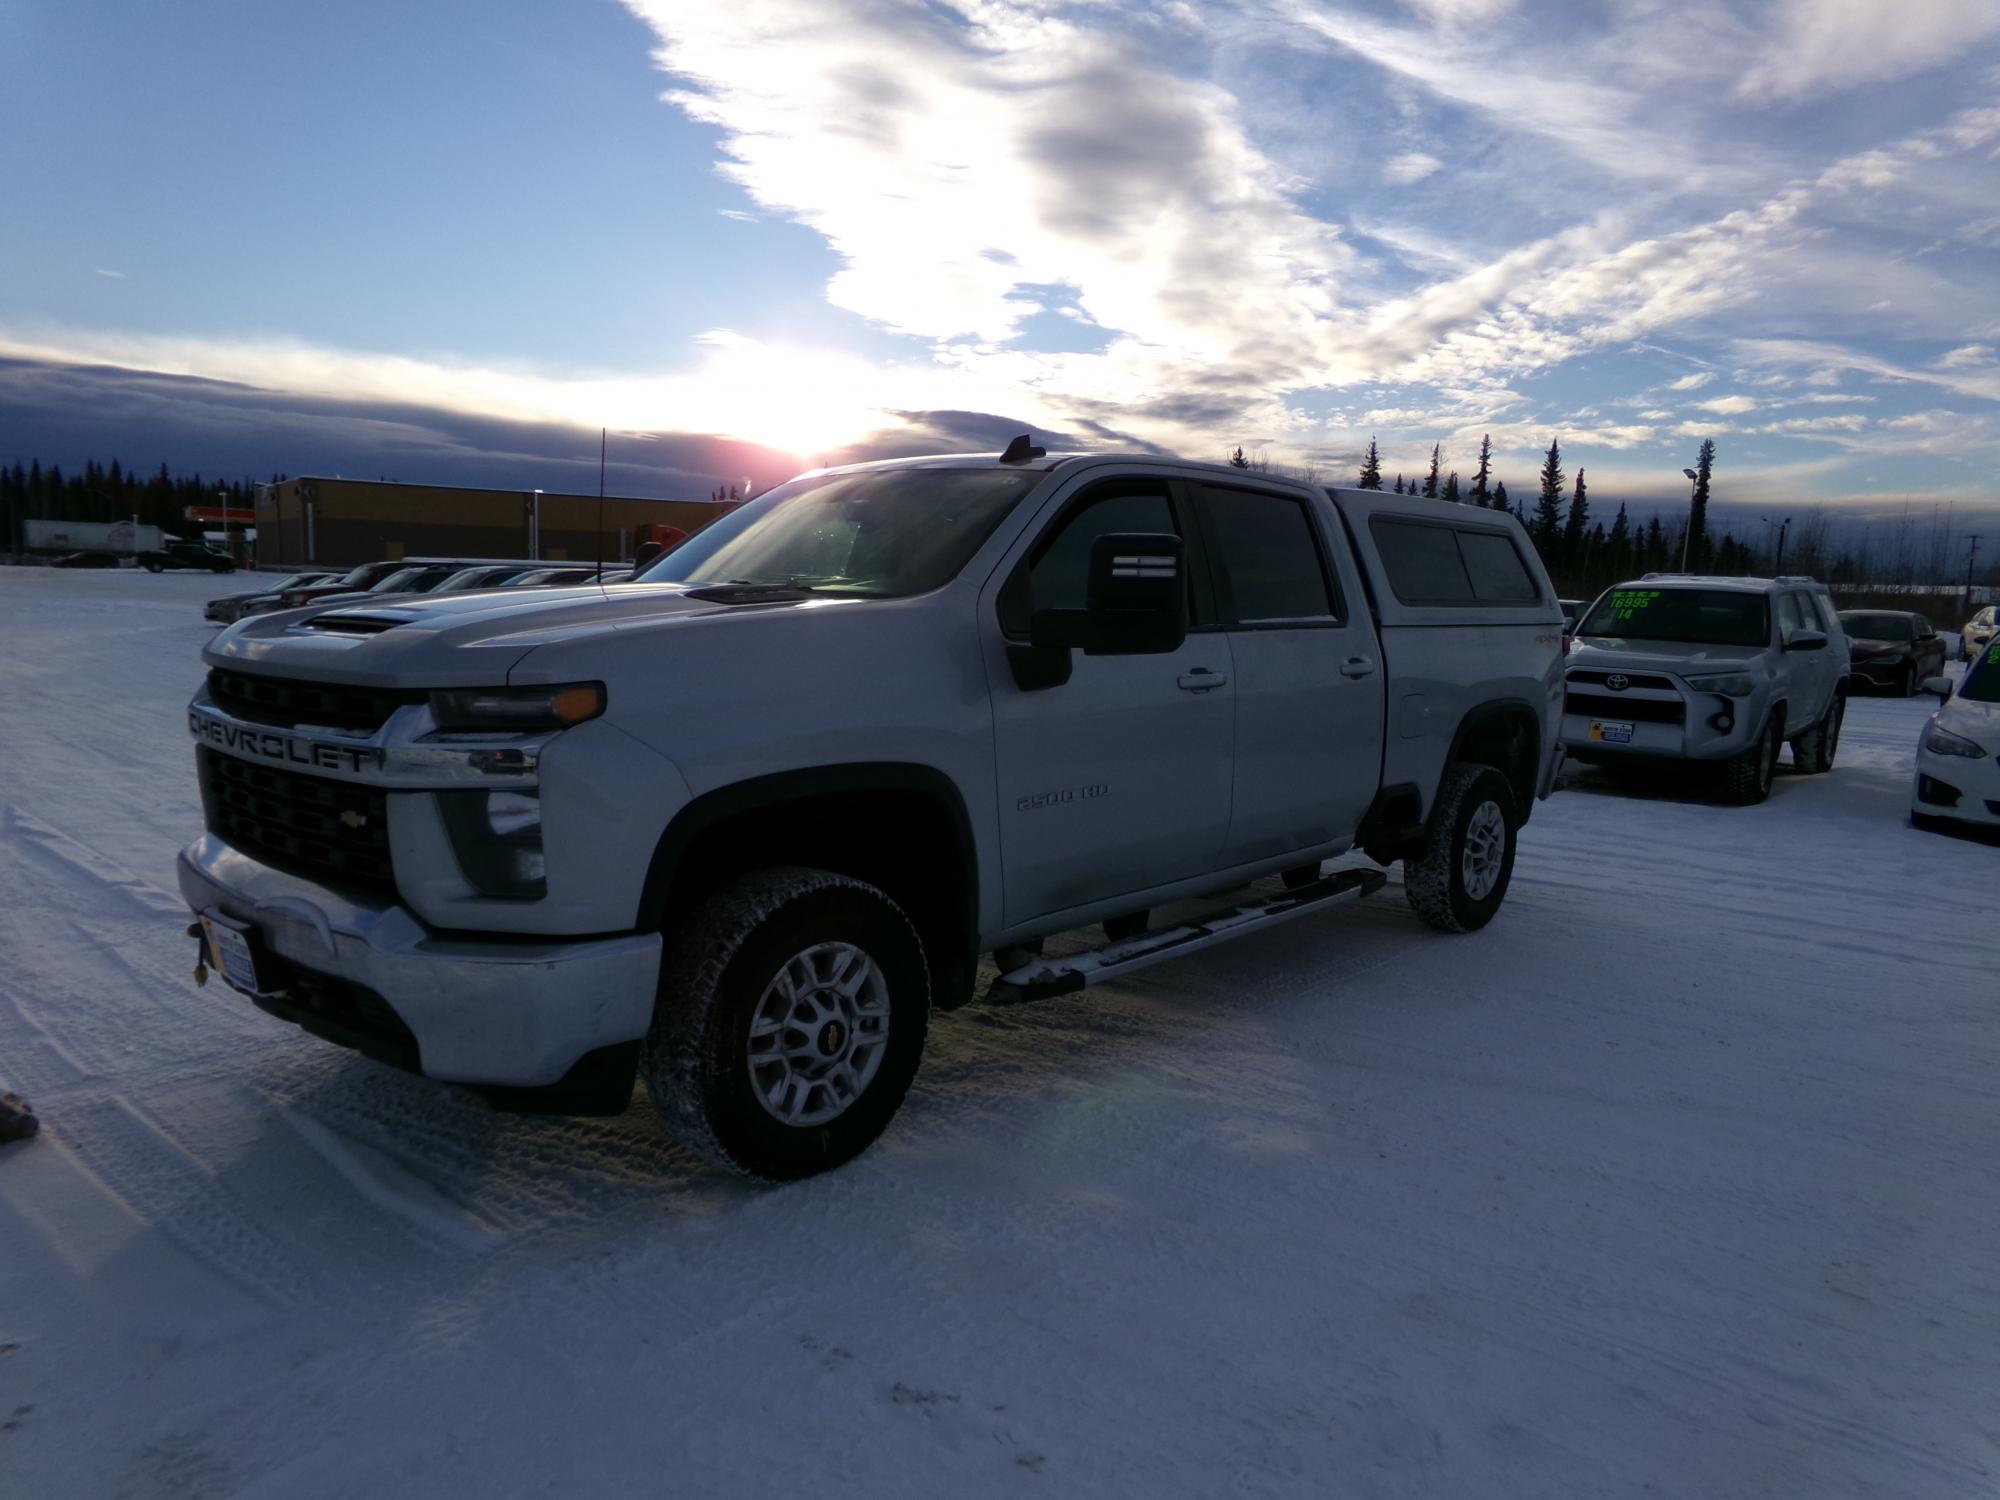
{"type": "Point", "coordinates": [1677, 1179]}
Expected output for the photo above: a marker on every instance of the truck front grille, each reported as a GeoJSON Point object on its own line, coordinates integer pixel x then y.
{"type": "Point", "coordinates": [290, 704]}
{"type": "Point", "coordinates": [1632, 679]}
{"type": "Point", "coordinates": [313, 826]}
{"type": "Point", "coordinates": [1620, 706]}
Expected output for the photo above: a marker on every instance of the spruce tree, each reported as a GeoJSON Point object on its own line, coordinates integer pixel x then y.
{"type": "Point", "coordinates": [1618, 546]}
{"type": "Point", "coordinates": [1371, 469]}
{"type": "Point", "coordinates": [1399, 484]}
{"type": "Point", "coordinates": [1656, 548]}
{"type": "Point", "coordinates": [1238, 461]}
{"type": "Point", "coordinates": [1546, 528]}
{"type": "Point", "coordinates": [1698, 544]}
{"type": "Point", "coordinates": [1451, 487]}
{"type": "Point", "coordinates": [1499, 497]}
{"type": "Point", "coordinates": [1484, 471]}
{"type": "Point", "coordinates": [1576, 526]}
{"type": "Point", "coordinates": [1431, 480]}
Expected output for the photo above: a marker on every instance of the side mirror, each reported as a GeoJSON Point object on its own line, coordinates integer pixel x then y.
{"type": "Point", "coordinates": [1807, 640]}
{"type": "Point", "coordinates": [1135, 600]}
{"type": "Point", "coordinates": [1939, 685]}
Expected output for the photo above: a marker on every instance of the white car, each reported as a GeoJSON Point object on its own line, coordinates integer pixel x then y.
{"type": "Point", "coordinates": [1979, 633]}
{"type": "Point", "coordinates": [1958, 757]}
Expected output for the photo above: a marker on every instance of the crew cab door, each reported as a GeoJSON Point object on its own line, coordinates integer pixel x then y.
{"type": "Point", "coordinates": [1117, 780]}
{"type": "Point", "coordinates": [1309, 674]}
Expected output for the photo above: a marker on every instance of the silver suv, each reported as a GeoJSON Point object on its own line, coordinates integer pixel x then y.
{"type": "Point", "coordinates": [1677, 667]}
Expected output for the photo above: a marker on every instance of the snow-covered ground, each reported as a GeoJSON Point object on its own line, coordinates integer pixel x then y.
{"type": "Point", "coordinates": [1678, 1180]}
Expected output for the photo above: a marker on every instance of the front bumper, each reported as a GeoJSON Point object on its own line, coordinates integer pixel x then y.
{"type": "Point", "coordinates": [1659, 725]}
{"type": "Point", "coordinates": [1880, 671]}
{"type": "Point", "coordinates": [516, 1011]}
{"type": "Point", "coordinates": [1957, 787]}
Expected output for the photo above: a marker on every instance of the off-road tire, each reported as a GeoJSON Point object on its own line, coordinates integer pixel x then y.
{"type": "Point", "coordinates": [1745, 778]}
{"type": "Point", "coordinates": [1434, 882]}
{"type": "Point", "coordinates": [718, 964]}
{"type": "Point", "coordinates": [1813, 753]}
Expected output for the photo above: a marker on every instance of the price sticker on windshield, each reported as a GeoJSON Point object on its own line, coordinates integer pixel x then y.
{"type": "Point", "coordinates": [1626, 603]}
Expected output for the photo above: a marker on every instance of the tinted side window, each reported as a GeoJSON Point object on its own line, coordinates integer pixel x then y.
{"type": "Point", "coordinates": [1495, 567]}
{"type": "Point", "coordinates": [1829, 621]}
{"type": "Point", "coordinates": [1422, 562]}
{"type": "Point", "coordinates": [1267, 555]}
{"type": "Point", "coordinates": [1057, 572]}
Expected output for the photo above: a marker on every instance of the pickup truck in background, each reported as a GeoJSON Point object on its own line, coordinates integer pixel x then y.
{"type": "Point", "coordinates": [179, 554]}
{"type": "Point", "coordinates": [740, 827]}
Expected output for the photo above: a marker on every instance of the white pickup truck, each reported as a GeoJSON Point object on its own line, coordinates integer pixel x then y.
{"type": "Point", "coordinates": [742, 825]}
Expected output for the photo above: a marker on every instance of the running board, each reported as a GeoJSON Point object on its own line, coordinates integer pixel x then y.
{"type": "Point", "coordinates": [1046, 978]}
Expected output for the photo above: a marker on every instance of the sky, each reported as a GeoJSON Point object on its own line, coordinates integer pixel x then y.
{"type": "Point", "coordinates": [451, 241]}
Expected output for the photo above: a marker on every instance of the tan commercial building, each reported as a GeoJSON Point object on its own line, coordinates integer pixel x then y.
{"type": "Point", "coordinates": [338, 523]}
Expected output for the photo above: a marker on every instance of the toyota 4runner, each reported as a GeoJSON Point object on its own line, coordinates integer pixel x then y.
{"type": "Point", "coordinates": [1722, 671]}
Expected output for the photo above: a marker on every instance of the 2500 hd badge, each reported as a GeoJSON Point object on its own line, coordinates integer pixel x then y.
{"type": "Point", "coordinates": [270, 744]}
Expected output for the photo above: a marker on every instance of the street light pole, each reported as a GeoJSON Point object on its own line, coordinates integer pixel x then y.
{"type": "Point", "coordinates": [1778, 564]}
{"type": "Point", "coordinates": [1688, 535]}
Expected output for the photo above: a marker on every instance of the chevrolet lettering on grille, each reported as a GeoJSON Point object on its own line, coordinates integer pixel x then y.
{"type": "Point", "coordinates": [271, 744]}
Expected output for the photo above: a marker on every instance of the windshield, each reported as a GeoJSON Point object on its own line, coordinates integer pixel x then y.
{"type": "Point", "coordinates": [878, 534]}
{"type": "Point", "coordinates": [1878, 627]}
{"type": "Point", "coordinates": [1699, 617]}
{"type": "Point", "coordinates": [396, 583]}
{"type": "Point", "coordinates": [1982, 678]}
{"type": "Point", "coordinates": [356, 578]}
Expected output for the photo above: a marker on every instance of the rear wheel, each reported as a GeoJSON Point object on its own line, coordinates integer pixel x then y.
{"type": "Point", "coordinates": [1460, 879]}
{"type": "Point", "coordinates": [1746, 776]}
{"type": "Point", "coordinates": [791, 1019]}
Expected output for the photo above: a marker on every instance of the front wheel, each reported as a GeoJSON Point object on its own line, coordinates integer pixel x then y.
{"type": "Point", "coordinates": [1747, 775]}
{"type": "Point", "coordinates": [1458, 882]}
{"type": "Point", "coordinates": [1813, 753]}
{"type": "Point", "coordinates": [790, 1022]}
{"type": "Point", "coordinates": [1906, 685]}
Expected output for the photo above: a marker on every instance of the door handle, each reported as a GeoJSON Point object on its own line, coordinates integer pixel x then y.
{"type": "Point", "coordinates": [1202, 680]}
{"type": "Point", "coordinates": [1357, 666]}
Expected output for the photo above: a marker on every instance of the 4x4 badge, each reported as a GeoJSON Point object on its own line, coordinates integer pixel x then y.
{"type": "Point", "coordinates": [1617, 682]}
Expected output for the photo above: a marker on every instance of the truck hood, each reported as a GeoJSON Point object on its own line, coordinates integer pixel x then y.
{"type": "Point", "coordinates": [470, 639]}
{"type": "Point", "coordinates": [1616, 654]}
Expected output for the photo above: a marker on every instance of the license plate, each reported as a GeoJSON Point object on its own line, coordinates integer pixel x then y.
{"type": "Point", "coordinates": [1610, 732]}
{"type": "Point", "coordinates": [229, 950]}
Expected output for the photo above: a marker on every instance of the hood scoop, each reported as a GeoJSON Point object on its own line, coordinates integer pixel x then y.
{"type": "Point", "coordinates": [336, 622]}
{"type": "Point", "coordinates": [750, 593]}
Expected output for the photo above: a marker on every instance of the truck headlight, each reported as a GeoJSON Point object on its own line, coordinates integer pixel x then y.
{"type": "Point", "coordinates": [1728, 684]}
{"type": "Point", "coordinates": [1941, 741]}
{"type": "Point", "coordinates": [516, 710]}
{"type": "Point", "coordinates": [498, 839]}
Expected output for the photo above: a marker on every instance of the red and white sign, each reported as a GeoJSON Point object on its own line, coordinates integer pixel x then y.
{"type": "Point", "coordinates": [217, 515]}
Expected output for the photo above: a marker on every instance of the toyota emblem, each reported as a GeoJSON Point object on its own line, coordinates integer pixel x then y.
{"type": "Point", "coordinates": [1617, 682]}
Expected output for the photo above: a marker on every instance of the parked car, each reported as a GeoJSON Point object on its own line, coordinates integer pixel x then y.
{"type": "Point", "coordinates": [409, 580]}
{"type": "Point", "coordinates": [1892, 649]}
{"type": "Point", "coordinates": [1718, 671]}
{"type": "Point", "coordinates": [485, 576]}
{"type": "Point", "coordinates": [179, 554]}
{"type": "Point", "coordinates": [233, 607]}
{"type": "Point", "coordinates": [1958, 754]}
{"type": "Point", "coordinates": [750, 822]}
{"type": "Point", "coordinates": [360, 579]}
{"type": "Point", "coordinates": [86, 560]}
{"type": "Point", "coordinates": [545, 578]}
{"type": "Point", "coordinates": [1978, 633]}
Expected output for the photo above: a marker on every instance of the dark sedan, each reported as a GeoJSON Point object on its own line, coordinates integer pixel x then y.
{"type": "Point", "coordinates": [1892, 648]}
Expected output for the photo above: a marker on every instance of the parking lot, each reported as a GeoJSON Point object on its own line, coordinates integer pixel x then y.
{"type": "Point", "coordinates": [1677, 1179]}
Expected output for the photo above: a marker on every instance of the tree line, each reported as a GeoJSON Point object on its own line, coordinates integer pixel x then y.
{"type": "Point", "coordinates": [110, 492]}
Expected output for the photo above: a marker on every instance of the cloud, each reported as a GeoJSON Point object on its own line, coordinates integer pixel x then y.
{"type": "Point", "coordinates": [1820, 45]}
{"type": "Point", "coordinates": [1966, 356]}
{"type": "Point", "coordinates": [1692, 382]}
{"type": "Point", "coordinates": [1983, 383]}
{"type": "Point", "coordinates": [114, 275]}
{"type": "Point", "coordinates": [1410, 166]}
{"type": "Point", "coordinates": [1727, 406]}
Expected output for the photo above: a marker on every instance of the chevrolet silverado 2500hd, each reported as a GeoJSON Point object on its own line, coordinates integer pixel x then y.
{"type": "Point", "coordinates": [739, 827]}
